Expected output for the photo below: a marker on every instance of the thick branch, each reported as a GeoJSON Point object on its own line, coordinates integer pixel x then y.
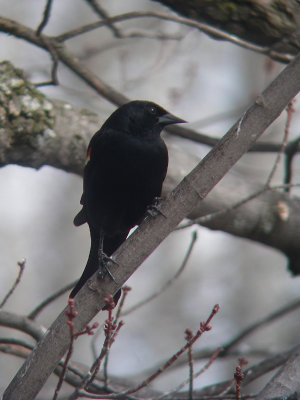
{"type": "Point", "coordinates": [259, 219]}
{"type": "Point", "coordinates": [36, 131]}
{"type": "Point", "coordinates": [21, 323]}
{"type": "Point", "coordinates": [145, 239]}
{"type": "Point", "coordinates": [286, 382]}
{"type": "Point", "coordinates": [275, 23]}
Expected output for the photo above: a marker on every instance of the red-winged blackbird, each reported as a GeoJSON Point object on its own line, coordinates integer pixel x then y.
{"type": "Point", "coordinates": [125, 168]}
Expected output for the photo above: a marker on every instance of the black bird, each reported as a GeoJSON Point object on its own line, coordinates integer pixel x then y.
{"type": "Point", "coordinates": [125, 168]}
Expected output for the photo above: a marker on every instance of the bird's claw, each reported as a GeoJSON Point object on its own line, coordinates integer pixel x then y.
{"type": "Point", "coordinates": [104, 260]}
{"type": "Point", "coordinates": [103, 270]}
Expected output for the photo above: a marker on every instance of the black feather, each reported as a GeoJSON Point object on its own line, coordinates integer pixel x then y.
{"type": "Point", "coordinates": [126, 166]}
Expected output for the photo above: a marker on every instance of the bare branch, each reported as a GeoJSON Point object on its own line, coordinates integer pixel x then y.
{"type": "Point", "coordinates": [286, 382]}
{"type": "Point", "coordinates": [61, 135]}
{"type": "Point", "coordinates": [73, 376]}
{"type": "Point", "coordinates": [239, 377]}
{"type": "Point", "coordinates": [210, 217]}
{"type": "Point", "coordinates": [195, 375]}
{"type": "Point", "coordinates": [208, 29]}
{"type": "Point", "coordinates": [290, 152]}
{"type": "Point", "coordinates": [104, 15]}
{"type": "Point", "coordinates": [117, 323]}
{"type": "Point", "coordinates": [132, 34]}
{"type": "Point", "coordinates": [152, 231]}
{"type": "Point", "coordinates": [260, 324]}
{"type": "Point", "coordinates": [168, 283]}
{"type": "Point", "coordinates": [272, 23]}
{"type": "Point", "coordinates": [71, 314]}
{"type": "Point", "coordinates": [204, 327]}
{"type": "Point", "coordinates": [22, 323]}
{"type": "Point", "coordinates": [101, 87]}
{"type": "Point", "coordinates": [34, 313]}
{"type": "Point", "coordinates": [227, 348]}
{"type": "Point", "coordinates": [46, 17]}
{"type": "Point", "coordinates": [15, 348]}
{"type": "Point", "coordinates": [290, 111]}
{"type": "Point", "coordinates": [15, 342]}
{"type": "Point", "coordinates": [252, 373]}
{"type": "Point", "coordinates": [21, 265]}
{"type": "Point", "coordinates": [19, 30]}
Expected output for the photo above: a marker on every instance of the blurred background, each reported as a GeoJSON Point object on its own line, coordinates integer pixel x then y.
{"type": "Point", "coordinates": [208, 83]}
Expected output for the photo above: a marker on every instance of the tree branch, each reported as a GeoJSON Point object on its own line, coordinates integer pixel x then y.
{"type": "Point", "coordinates": [286, 382]}
{"type": "Point", "coordinates": [209, 29]}
{"type": "Point", "coordinates": [144, 240]}
{"type": "Point", "coordinates": [37, 131]}
{"type": "Point", "coordinates": [274, 24]}
{"type": "Point", "coordinates": [21, 323]}
{"type": "Point", "coordinates": [252, 373]}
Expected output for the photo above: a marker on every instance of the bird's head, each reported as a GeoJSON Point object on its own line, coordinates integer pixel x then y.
{"type": "Point", "coordinates": [142, 118]}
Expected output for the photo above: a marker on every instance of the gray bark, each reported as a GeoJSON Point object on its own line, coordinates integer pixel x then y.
{"type": "Point", "coordinates": [274, 24]}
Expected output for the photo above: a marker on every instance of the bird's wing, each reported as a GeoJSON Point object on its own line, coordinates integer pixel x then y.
{"type": "Point", "coordinates": [81, 217]}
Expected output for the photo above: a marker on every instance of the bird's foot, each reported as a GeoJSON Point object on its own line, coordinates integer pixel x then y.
{"type": "Point", "coordinates": [153, 210]}
{"type": "Point", "coordinates": [104, 261]}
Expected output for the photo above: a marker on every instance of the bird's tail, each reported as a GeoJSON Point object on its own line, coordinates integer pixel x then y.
{"type": "Point", "coordinates": [110, 245]}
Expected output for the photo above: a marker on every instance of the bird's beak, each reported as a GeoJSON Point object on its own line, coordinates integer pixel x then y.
{"type": "Point", "coordinates": [168, 119]}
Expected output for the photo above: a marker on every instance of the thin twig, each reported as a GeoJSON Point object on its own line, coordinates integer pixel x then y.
{"type": "Point", "coordinates": [289, 155]}
{"type": "Point", "coordinates": [34, 313]}
{"type": "Point", "coordinates": [119, 312]}
{"type": "Point", "coordinates": [111, 330]}
{"type": "Point", "coordinates": [290, 111]}
{"type": "Point", "coordinates": [239, 377]}
{"type": "Point", "coordinates": [152, 35]}
{"type": "Point", "coordinates": [71, 314]}
{"type": "Point", "coordinates": [94, 396]}
{"type": "Point", "coordinates": [189, 335]}
{"type": "Point", "coordinates": [227, 347]}
{"type": "Point", "coordinates": [191, 134]}
{"type": "Point", "coordinates": [132, 34]}
{"type": "Point", "coordinates": [21, 265]}
{"type": "Point", "coordinates": [195, 375]}
{"type": "Point", "coordinates": [209, 217]}
{"type": "Point", "coordinates": [251, 374]}
{"type": "Point", "coordinates": [125, 291]}
{"type": "Point", "coordinates": [169, 282]}
{"type": "Point", "coordinates": [208, 29]}
{"type": "Point", "coordinates": [45, 19]}
{"type": "Point", "coordinates": [204, 327]}
{"type": "Point", "coordinates": [54, 57]}
{"type": "Point", "coordinates": [260, 323]}
{"type": "Point", "coordinates": [103, 14]}
{"type": "Point", "coordinates": [292, 148]}
{"type": "Point", "coordinates": [209, 363]}
{"type": "Point", "coordinates": [108, 92]}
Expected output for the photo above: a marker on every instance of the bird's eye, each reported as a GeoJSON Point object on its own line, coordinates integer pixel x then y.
{"type": "Point", "coordinates": [152, 110]}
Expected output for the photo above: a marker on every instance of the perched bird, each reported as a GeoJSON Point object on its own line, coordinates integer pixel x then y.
{"type": "Point", "coordinates": [126, 165]}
